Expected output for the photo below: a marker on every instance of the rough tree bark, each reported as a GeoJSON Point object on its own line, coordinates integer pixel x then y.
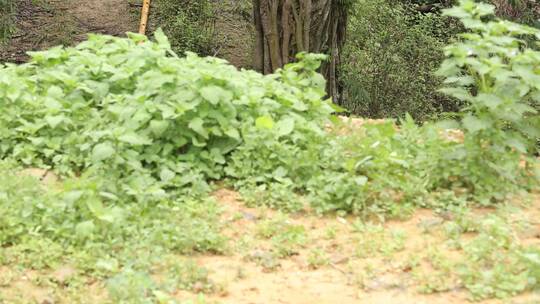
{"type": "Point", "coordinates": [287, 27]}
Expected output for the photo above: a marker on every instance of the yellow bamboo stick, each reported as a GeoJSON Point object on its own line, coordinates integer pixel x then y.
{"type": "Point", "coordinates": [144, 17]}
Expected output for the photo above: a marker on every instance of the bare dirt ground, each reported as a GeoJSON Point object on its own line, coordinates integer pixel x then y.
{"type": "Point", "coordinates": [110, 17]}
{"type": "Point", "coordinates": [45, 23]}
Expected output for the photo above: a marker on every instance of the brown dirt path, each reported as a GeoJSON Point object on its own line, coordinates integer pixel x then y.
{"type": "Point", "coordinates": [45, 23]}
{"type": "Point", "coordinates": [111, 17]}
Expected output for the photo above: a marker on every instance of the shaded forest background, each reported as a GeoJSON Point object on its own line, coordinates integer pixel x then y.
{"type": "Point", "coordinates": [386, 58]}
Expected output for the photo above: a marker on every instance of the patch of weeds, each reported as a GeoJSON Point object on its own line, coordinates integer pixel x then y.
{"type": "Point", "coordinates": [35, 253]}
{"type": "Point", "coordinates": [270, 227]}
{"type": "Point", "coordinates": [375, 239]}
{"type": "Point", "coordinates": [362, 277]}
{"type": "Point", "coordinates": [101, 237]}
{"type": "Point", "coordinates": [7, 277]}
{"type": "Point", "coordinates": [330, 232]}
{"type": "Point", "coordinates": [318, 258]}
{"type": "Point", "coordinates": [268, 260]}
{"type": "Point", "coordinates": [245, 243]}
{"type": "Point", "coordinates": [286, 237]}
{"type": "Point", "coordinates": [279, 196]}
{"type": "Point", "coordinates": [131, 286]}
{"type": "Point", "coordinates": [463, 221]}
{"type": "Point", "coordinates": [493, 265]}
{"type": "Point", "coordinates": [138, 286]}
{"type": "Point", "coordinates": [442, 201]}
{"type": "Point", "coordinates": [289, 241]}
{"type": "Point", "coordinates": [439, 277]}
{"type": "Point", "coordinates": [187, 275]}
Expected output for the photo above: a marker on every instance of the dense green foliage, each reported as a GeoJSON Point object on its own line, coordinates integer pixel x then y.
{"type": "Point", "coordinates": [389, 60]}
{"type": "Point", "coordinates": [152, 120]}
{"type": "Point", "coordinates": [395, 46]}
{"type": "Point", "coordinates": [522, 11]}
{"type": "Point", "coordinates": [158, 125]}
{"type": "Point", "coordinates": [491, 70]}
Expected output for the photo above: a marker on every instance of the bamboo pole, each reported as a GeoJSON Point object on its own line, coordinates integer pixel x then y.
{"type": "Point", "coordinates": [144, 17]}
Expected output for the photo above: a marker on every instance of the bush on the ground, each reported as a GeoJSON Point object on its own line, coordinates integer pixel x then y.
{"type": "Point", "coordinates": [154, 121]}
{"type": "Point", "coordinates": [493, 72]}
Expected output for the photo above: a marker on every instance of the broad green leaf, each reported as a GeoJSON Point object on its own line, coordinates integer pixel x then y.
{"type": "Point", "coordinates": [458, 93]}
{"type": "Point", "coordinates": [102, 151]}
{"type": "Point", "coordinates": [233, 133]}
{"type": "Point", "coordinates": [111, 215]}
{"type": "Point", "coordinates": [85, 229]}
{"type": "Point", "coordinates": [361, 180]}
{"type": "Point", "coordinates": [197, 125]}
{"type": "Point", "coordinates": [517, 144]}
{"type": "Point", "coordinates": [161, 39]}
{"type": "Point", "coordinates": [166, 175]}
{"type": "Point", "coordinates": [215, 94]}
{"type": "Point", "coordinates": [264, 122]}
{"type": "Point", "coordinates": [489, 100]}
{"type": "Point", "coordinates": [158, 127]}
{"type": "Point", "coordinates": [135, 139]}
{"type": "Point", "coordinates": [474, 124]}
{"type": "Point", "coordinates": [54, 121]}
{"type": "Point", "coordinates": [285, 126]}
{"type": "Point", "coordinates": [95, 206]}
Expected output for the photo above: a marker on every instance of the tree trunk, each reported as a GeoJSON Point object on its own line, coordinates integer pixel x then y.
{"type": "Point", "coordinates": [287, 27]}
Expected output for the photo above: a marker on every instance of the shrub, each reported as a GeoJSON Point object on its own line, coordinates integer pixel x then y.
{"type": "Point", "coordinates": [145, 116]}
{"type": "Point", "coordinates": [494, 73]}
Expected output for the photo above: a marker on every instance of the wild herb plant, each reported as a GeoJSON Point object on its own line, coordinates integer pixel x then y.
{"type": "Point", "coordinates": [497, 75]}
{"type": "Point", "coordinates": [144, 116]}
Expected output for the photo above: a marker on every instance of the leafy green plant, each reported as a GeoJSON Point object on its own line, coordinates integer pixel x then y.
{"type": "Point", "coordinates": [187, 275]}
{"type": "Point", "coordinates": [132, 286]}
{"type": "Point", "coordinates": [150, 119]}
{"type": "Point", "coordinates": [496, 75]}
